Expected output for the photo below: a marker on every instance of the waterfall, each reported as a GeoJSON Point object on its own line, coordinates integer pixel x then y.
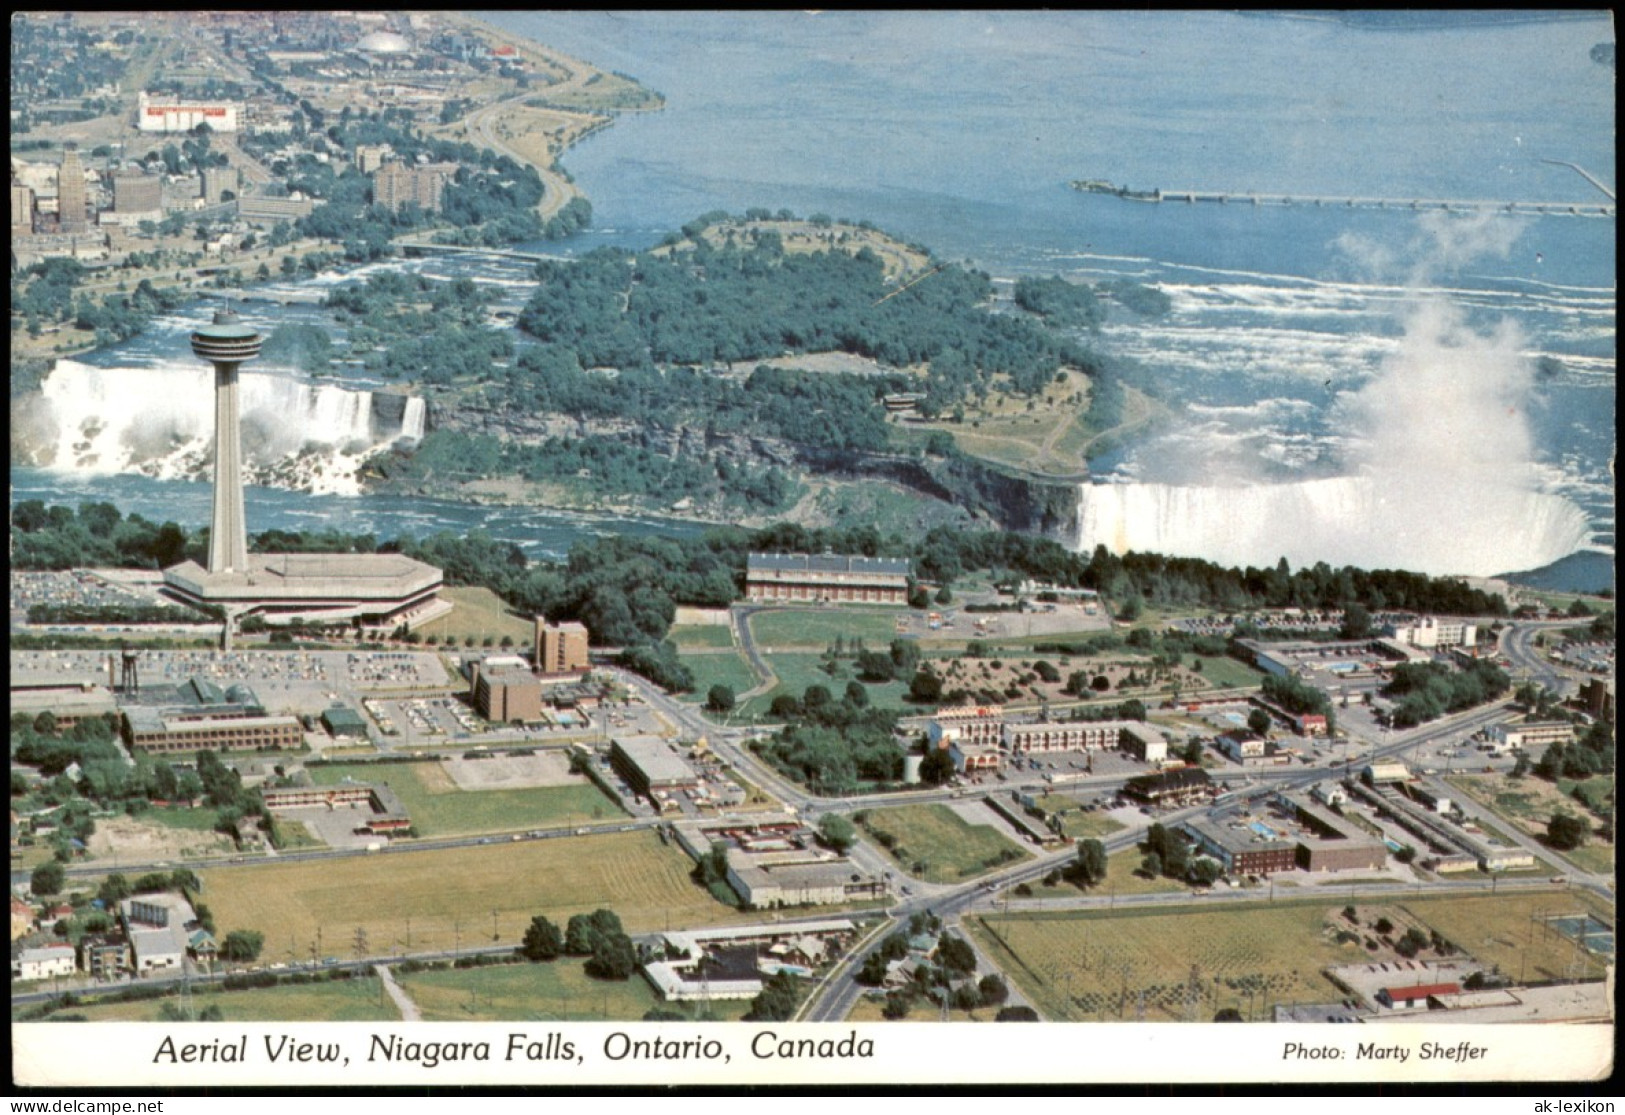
{"type": "Point", "coordinates": [412, 423]}
{"type": "Point", "coordinates": [160, 421]}
{"type": "Point", "coordinates": [1441, 529]}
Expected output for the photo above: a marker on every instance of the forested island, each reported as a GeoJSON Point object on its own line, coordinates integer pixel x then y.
{"type": "Point", "coordinates": [740, 370]}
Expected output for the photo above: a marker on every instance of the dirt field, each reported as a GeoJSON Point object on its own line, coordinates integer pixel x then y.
{"type": "Point", "coordinates": [127, 839]}
{"type": "Point", "coordinates": [510, 772]}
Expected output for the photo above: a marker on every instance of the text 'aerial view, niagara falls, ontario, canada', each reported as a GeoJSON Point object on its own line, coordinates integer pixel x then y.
{"type": "Point", "coordinates": [564, 549]}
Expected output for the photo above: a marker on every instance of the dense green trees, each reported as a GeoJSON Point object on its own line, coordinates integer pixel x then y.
{"type": "Point", "coordinates": [1565, 831]}
{"type": "Point", "coordinates": [1089, 869]}
{"type": "Point", "coordinates": [242, 945]}
{"type": "Point", "coordinates": [707, 305]}
{"type": "Point", "coordinates": [1427, 690]}
{"type": "Point", "coordinates": [542, 940]}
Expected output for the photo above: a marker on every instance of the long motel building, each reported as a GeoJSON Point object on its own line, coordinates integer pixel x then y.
{"type": "Point", "coordinates": [826, 579]}
{"type": "Point", "coordinates": [981, 738]}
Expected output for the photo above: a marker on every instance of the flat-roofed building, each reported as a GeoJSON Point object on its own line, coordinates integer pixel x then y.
{"type": "Point", "coordinates": [561, 648]}
{"type": "Point", "coordinates": [153, 731]}
{"type": "Point", "coordinates": [379, 590]}
{"type": "Point", "coordinates": [826, 578]}
{"type": "Point", "coordinates": [789, 879]}
{"type": "Point", "coordinates": [1431, 633]}
{"type": "Point", "coordinates": [1242, 747]}
{"type": "Point", "coordinates": [160, 929]}
{"type": "Point", "coordinates": [507, 694]}
{"type": "Point", "coordinates": [970, 724]}
{"type": "Point", "coordinates": [69, 704]}
{"type": "Point", "coordinates": [259, 208]}
{"type": "Point", "coordinates": [388, 815]}
{"type": "Point", "coordinates": [651, 766]}
{"type": "Point", "coordinates": [1522, 734]}
{"type": "Point", "coordinates": [971, 758]}
{"type": "Point", "coordinates": [1241, 850]}
{"type": "Point", "coordinates": [105, 956]}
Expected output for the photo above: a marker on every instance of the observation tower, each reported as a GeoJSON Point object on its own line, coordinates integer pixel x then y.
{"type": "Point", "coordinates": [375, 593]}
{"type": "Point", "coordinates": [226, 344]}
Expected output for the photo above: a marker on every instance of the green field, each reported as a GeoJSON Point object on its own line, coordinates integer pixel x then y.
{"type": "Point", "coordinates": [936, 844]}
{"type": "Point", "coordinates": [818, 628]}
{"type": "Point", "coordinates": [478, 612]}
{"type": "Point", "coordinates": [797, 672]}
{"type": "Point", "coordinates": [352, 1000]}
{"type": "Point", "coordinates": [439, 808]}
{"type": "Point", "coordinates": [728, 668]}
{"type": "Point", "coordinates": [442, 899]}
{"type": "Point", "coordinates": [558, 991]}
{"type": "Point", "coordinates": [701, 636]}
{"type": "Point", "coordinates": [1107, 966]}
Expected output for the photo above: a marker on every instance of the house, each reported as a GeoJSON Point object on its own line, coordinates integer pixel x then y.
{"type": "Point", "coordinates": [22, 918]}
{"type": "Point", "coordinates": [43, 963]}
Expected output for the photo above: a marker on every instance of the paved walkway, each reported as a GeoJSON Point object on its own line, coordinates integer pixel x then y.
{"type": "Point", "coordinates": [409, 1009]}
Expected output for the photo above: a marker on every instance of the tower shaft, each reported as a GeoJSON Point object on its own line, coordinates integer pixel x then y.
{"type": "Point", "coordinates": [228, 532]}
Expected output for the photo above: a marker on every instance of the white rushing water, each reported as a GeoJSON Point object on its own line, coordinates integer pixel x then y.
{"type": "Point", "coordinates": [159, 421]}
{"type": "Point", "coordinates": [1341, 521]}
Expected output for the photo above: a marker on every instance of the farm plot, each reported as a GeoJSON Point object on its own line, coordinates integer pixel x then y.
{"type": "Point", "coordinates": [1166, 966]}
{"type": "Point", "coordinates": [457, 897]}
{"type": "Point", "coordinates": [439, 807]}
{"type": "Point", "coordinates": [937, 845]}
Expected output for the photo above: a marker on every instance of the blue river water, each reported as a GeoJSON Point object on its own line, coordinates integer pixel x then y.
{"type": "Point", "coordinates": [962, 130]}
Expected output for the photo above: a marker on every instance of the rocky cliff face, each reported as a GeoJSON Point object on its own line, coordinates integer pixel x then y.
{"type": "Point", "coordinates": [998, 496]}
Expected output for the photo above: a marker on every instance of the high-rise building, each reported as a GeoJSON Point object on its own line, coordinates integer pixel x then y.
{"type": "Point", "coordinates": [217, 181]}
{"type": "Point", "coordinates": [135, 192]}
{"type": "Point", "coordinates": [22, 209]}
{"type": "Point", "coordinates": [70, 193]}
{"type": "Point", "coordinates": [560, 648]}
{"type": "Point", "coordinates": [395, 184]}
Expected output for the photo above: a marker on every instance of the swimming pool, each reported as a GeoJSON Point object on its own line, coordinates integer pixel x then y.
{"type": "Point", "coordinates": [1263, 830]}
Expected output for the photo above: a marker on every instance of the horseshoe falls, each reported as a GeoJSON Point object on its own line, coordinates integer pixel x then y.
{"type": "Point", "coordinates": [1368, 521]}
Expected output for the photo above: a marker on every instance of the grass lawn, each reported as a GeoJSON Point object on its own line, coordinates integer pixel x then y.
{"type": "Point", "coordinates": [558, 991]}
{"type": "Point", "coordinates": [479, 612]}
{"type": "Point", "coordinates": [352, 1000]}
{"type": "Point", "coordinates": [725, 668]}
{"type": "Point", "coordinates": [937, 844]}
{"type": "Point", "coordinates": [1595, 857]}
{"type": "Point", "coordinates": [796, 672]}
{"type": "Point", "coordinates": [440, 899]}
{"type": "Point", "coordinates": [818, 628]}
{"type": "Point", "coordinates": [439, 808]}
{"type": "Point", "coordinates": [701, 636]}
